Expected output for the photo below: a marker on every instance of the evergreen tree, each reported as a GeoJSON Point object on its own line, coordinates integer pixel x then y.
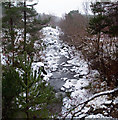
{"type": "Point", "coordinates": [36, 93]}
{"type": "Point", "coordinates": [20, 31]}
{"type": "Point", "coordinates": [10, 19]}
{"type": "Point", "coordinates": [32, 25]}
{"type": "Point", "coordinates": [25, 91]}
{"type": "Point", "coordinates": [105, 21]}
{"type": "Point", "coordinates": [98, 22]}
{"type": "Point", "coordinates": [105, 18]}
{"type": "Point", "coordinates": [11, 89]}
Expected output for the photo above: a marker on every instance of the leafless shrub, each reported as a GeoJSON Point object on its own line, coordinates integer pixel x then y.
{"type": "Point", "coordinates": [74, 27]}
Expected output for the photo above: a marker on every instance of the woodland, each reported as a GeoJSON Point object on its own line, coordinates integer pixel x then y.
{"type": "Point", "coordinates": [59, 68]}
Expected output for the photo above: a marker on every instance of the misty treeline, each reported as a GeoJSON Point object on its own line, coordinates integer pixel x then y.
{"type": "Point", "coordinates": [25, 93]}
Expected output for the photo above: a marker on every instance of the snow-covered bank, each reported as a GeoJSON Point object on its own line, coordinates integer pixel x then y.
{"type": "Point", "coordinates": [68, 72]}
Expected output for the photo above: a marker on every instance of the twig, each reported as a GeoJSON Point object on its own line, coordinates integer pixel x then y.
{"type": "Point", "coordinates": [91, 98]}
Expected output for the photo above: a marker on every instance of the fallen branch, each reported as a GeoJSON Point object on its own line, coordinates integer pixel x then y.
{"type": "Point", "coordinates": [90, 99]}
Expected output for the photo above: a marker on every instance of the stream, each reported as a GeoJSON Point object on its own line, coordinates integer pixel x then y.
{"type": "Point", "coordinates": [66, 70]}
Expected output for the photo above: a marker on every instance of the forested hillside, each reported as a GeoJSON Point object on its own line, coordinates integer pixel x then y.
{"type": "Point", "coordinates": [59, 67]}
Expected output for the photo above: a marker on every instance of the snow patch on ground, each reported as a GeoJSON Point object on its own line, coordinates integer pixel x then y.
{"type": "Point", "coordinates": [52, 55]}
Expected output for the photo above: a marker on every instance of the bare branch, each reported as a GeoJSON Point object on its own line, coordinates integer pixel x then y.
{"type": "Point", "coordinates": [90, 99]}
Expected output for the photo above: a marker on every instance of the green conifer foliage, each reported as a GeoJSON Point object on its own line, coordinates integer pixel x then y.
{"type": "Point", "coordinates": [105, 18]}
{"type": "Point", "coordinates": [20, 28]}
{"type": "Point", "coordinates": [25, 93]}
{"type": "Point", "coordinates": [37, 94]}
{"type": "Point", "coordinates": [105, 23]}
{"type": "Point", "coordinates": [11, 89]}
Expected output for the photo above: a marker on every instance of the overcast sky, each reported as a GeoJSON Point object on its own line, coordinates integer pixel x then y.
{"type": "Point", "coordinates": [59, 7]}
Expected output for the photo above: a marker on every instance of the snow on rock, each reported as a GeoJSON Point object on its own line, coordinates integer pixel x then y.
{"type": "Point", "coordinates": [61, 60]}
{"type": "Point", "coordinates": [97, 116]}
{"type": "Point", "coordinates": [37, 65]}
{"type": "Point", "coordinates": [115, 100]}
{"type": "Point", "coordinates": [74, 61]}
{"type": "Point", "coordinates": [97, 102]}
{"type": "Point", "coordinates": [3, 59]}
{"type": "Point", "coordinates": [59, 54]}
{"type": "Point", "coordinates": [46, 77]}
